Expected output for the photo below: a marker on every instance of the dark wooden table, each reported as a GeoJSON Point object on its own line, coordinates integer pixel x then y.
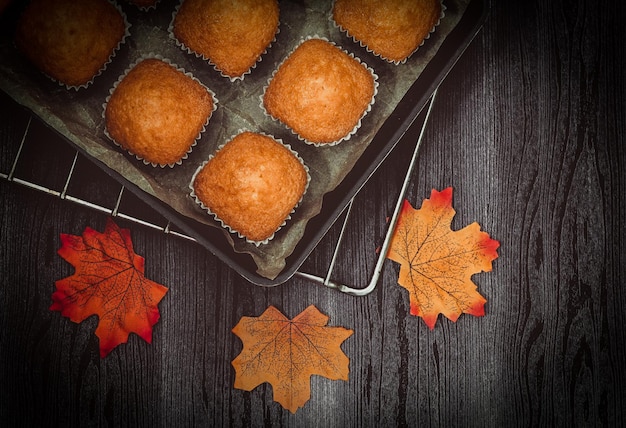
{"type": "Point", "coordinates": [529, 130]}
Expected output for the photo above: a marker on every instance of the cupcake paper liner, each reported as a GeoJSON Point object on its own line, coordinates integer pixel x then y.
{"type": "Point", "coordinates": [145, 8]}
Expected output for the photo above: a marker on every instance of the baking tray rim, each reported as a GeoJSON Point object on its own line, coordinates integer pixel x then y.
{"type": "Point", "coordinates": [335, 202]}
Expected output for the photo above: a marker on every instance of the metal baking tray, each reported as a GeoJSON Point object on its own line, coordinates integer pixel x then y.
{"type": "Point", "coordinates": [39, 94]}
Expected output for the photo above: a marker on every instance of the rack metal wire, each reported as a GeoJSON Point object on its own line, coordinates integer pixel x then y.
{"type": "Point", "coordinates": [382, 255]}
{"type": "Point", "coordinates": [115, 211]}
{"type": "Point", "coordinates": [63, 194]}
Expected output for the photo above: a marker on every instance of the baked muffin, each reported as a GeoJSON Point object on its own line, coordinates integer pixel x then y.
{"type": "Point", "coordinates": [70, 41]}
{"type": "Point", "coordinates": [231, 35]}
{"type": "Point", "coordinates": [392, 29]}
{"type": "Point", "coordinates": [320, 92]}
{"type": "Point", "coordinates": [157, 112]}
{"type": "Point", "coordinates": [251, 185]}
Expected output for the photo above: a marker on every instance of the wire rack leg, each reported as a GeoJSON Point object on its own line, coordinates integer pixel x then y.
{"type": "Point", "coordinates": [326, 281]}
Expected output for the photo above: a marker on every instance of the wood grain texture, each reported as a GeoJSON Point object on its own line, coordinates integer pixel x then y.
{"type": "Point", "coordinates": [529, 130]}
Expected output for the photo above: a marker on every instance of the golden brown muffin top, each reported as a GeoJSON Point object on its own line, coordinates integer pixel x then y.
{"type": "Point", "coordinates": [71, 41]}
{"type": "Point", "coordinates": [232, 35]}
{"type": "Point", "coordinates": [320, 92]}
{"type": "Point", "coordinates": [252, 184]}
{"type": "Point", "coordinates": [392, 29]}
{"type": "Point", "coordinates": [157, 112]}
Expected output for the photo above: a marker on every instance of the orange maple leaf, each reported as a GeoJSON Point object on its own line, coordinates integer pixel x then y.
{"type": "Point", "coordinates": [109, 282]}
{"type": "Point", "coordinates": [437, 263]}
{"type": "Point", "coordinates": [287, 352]}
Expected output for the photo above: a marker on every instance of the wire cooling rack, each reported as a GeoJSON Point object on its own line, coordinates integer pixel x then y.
{"type": "Point", "coordinates": [63, 194]}
{"type": "Point", "coordinates": [109, 197]}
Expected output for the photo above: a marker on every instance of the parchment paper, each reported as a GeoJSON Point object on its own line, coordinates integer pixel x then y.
{"type": "Point", "coordinates": [78, 114]}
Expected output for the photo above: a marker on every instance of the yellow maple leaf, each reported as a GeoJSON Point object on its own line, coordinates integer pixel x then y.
{"type": "Point", "coordinates": [437, 263]}
{"type": "Point", "coordinates": [287, 352]}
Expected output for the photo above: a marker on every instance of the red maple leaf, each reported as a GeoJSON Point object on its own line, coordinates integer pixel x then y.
{"type": "Point", "coordinates": [108, 282]}
{"type": "Point", "coordinates": [437, 263]}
